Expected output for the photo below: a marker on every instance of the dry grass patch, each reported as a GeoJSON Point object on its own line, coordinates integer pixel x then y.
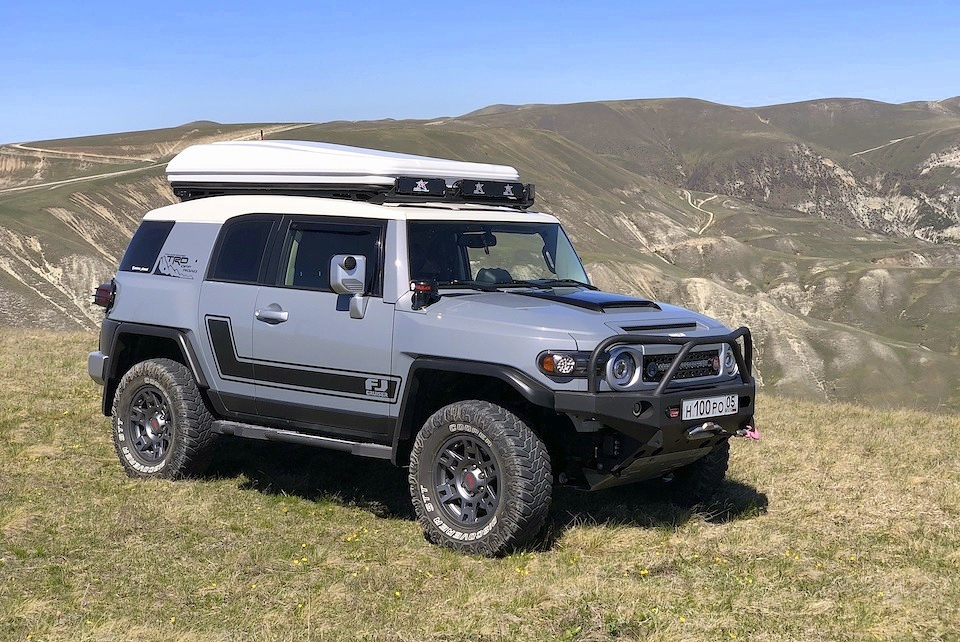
{"type": "Point", "coordinates": [842, 523]}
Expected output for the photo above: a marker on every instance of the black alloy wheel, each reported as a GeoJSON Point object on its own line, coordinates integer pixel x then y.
{"type": "Point", "coordinates": [148, 425]}
{"type": "Point", "coordinates": [466, 475]}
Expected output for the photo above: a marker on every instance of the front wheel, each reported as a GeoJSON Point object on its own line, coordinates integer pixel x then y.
{"type": "Point", "coordinates": [480, 479]}
{"type": "Point", "coordinates": [161, 426]}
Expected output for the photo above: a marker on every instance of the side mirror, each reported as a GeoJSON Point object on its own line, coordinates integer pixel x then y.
{"type": "Point", "coordinates": [348, 273]}
{"type": "Point", "coordinates": [347, 276]}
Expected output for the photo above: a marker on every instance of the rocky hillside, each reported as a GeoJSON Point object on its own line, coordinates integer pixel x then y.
{"type": "Point", "coordinates": [826, 226]}
{"type": "Point", "coordinates": [888, 168]}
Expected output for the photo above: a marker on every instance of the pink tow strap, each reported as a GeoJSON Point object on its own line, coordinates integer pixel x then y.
{"type": "Point", "coordinates": [749, 432]}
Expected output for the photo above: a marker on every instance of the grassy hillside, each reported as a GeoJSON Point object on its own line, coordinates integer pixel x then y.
{"type": "Point", "coordinates": [842, 523]}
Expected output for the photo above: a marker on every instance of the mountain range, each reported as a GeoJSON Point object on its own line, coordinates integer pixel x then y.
{"type": "Point", "coordinates": [830, 227]}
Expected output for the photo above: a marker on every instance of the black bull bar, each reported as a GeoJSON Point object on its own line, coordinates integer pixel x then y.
{"type": "Point", "coordinates": [744, 358]}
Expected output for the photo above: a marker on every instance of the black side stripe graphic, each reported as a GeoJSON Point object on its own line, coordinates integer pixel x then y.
{"type": "Point", "coordinates": [371, 387]}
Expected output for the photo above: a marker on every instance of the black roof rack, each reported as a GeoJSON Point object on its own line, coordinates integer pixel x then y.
{"type": "Point", "coordinates": [186, 191]}
{"type": "Point", "coordinates": [406, 189]}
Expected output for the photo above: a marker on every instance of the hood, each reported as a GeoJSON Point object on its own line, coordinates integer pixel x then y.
{"type": "Point", "coordinates": [587, 316]}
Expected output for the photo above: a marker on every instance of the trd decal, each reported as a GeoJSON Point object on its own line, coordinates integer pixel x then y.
{"type": "Point", "coordinates": [338, 383]}
{"type": "Point", "coordinates": [176, 265]}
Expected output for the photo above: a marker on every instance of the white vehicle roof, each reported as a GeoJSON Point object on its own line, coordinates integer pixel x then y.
{"type": "Point", "coordinates": [302, 162]}
{"type": "Point", "coordinates": [218, 209]}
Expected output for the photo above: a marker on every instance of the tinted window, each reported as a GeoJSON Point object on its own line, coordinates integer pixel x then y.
{"type": "Point", "coordinates": [241, 250]}
{"type": "Point", "coordinates": [310, 247]}
{"type": "Point", "coordinates": [145, 246]}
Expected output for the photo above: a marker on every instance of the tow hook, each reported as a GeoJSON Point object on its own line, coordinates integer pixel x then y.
{"type": "Point", "coordinates": [704, 431]}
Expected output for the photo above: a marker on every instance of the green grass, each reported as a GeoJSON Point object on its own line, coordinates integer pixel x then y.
{"type": "Point", "coordinates": [842, 523]}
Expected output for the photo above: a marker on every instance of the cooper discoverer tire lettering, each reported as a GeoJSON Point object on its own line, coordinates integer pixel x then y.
{"type": "Point", "coordinates": [161, 425]}
{"type": "Point", "coordinates": [480, 479]}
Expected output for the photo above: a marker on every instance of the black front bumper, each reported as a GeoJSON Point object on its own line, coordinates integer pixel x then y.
{"type": "Point", "coordinates": [640, 415]}
{"type": "Point", "coordinates": [641, 435]}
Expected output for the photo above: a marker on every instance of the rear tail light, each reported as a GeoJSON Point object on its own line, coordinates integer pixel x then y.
{"type": "Point", "coordinates": [105, 294]}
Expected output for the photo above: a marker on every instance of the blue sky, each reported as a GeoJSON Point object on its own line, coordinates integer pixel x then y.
{"type": "Point", "coordinates": [73, 68]}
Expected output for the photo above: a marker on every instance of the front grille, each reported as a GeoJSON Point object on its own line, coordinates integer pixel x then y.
{"type": "Point", "coordinates": [702, 363]}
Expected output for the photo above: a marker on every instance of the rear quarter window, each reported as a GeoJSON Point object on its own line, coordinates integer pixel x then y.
{"type": "Point", "coordinates": [240, 250]}
{"type": "Point", "coordinates": [145, 246]}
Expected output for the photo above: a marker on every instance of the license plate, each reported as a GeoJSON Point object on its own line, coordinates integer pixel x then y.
{"type": "Point", "coordinates": [710, 407]}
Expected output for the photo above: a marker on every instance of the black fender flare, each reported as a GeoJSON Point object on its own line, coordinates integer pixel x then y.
{"type": "Point", "coordinates": [112, 336]}
{"type": "Point", "coordinates": [530, 389]}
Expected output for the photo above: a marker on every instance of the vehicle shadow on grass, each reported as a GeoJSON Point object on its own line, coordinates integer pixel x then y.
{"type": "Point", "coordinates": [646, 505]}
{"type": "Point", "coordinates": [315, 474]}
{"type": "Point", "coordinates": [380, 487]}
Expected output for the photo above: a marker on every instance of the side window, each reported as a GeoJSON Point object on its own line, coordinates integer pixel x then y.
{"type": "Point", "coordinates": [145, 246]}
{"type": "Point", "coordinates": [311, 246]}
{"type": "Point", "coordinates": [240, 250]}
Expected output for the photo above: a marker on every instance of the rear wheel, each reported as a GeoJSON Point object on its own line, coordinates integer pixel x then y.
{"type": "Point", "coordinates": [161, 426]}
{"type": "Point", "coordinates": [698, 482]}
{"type": "Point", "coordinates": [480, 479]}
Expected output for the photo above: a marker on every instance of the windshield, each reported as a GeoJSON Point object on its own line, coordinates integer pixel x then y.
{"type": "Point", "coordinates": [491, 253]}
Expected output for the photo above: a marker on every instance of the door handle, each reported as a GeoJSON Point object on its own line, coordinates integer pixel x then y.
{"type": "Point", "coordinates": [272, 314]}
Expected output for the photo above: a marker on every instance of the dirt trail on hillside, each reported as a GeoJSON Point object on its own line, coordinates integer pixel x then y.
{"type": "Point", "coordinates": [697, 206]}
{"type": "Point", "coordinates": [78, 180]}
{"type": "Point", "coordinates": [81, 155]}
{"type": "Point", "coordinates": [252, 136]}
{"type": "Point", "coordinates": [873, 149]}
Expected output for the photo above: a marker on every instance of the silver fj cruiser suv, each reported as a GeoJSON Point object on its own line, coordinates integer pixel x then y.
{"type": "Point", "coordinates": [411, 309]}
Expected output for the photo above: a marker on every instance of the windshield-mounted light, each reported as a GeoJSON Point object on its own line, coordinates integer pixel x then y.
{"type": "Point", "coordinates": [425, 293]}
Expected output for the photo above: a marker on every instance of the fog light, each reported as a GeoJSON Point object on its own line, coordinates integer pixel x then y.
{"type": "Point", "coordinates": [563, 364]}
{"type": "Point", "coordinates": [653, 370]}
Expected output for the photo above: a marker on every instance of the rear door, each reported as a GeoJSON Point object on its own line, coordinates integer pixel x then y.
{"type": "Point", "coordinates": [227, 307]}
{"type": "Point", "coordinates": [318, 367]}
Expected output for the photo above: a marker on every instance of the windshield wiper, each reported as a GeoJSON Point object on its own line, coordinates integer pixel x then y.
{"type": "Point", "coordinates": [472, 285]}
{"type": "Point", "coordinates": [551, 283]}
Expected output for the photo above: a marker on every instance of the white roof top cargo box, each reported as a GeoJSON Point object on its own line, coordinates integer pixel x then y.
{"type": "Point", "coordinates": [338, 171]}
{"type": "Point", "coordinates": [289, 161]}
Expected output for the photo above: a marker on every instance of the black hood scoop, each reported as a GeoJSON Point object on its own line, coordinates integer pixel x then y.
{"type": "Point", "coordinates": [593, 300]}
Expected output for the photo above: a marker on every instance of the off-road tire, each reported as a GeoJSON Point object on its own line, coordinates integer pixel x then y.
{"type": "Point", "coordinates": [161, 425]}
{"type": "Point", "coordinates": [698, 483]}
{"type": "Point", "coordinates": [507, 459]}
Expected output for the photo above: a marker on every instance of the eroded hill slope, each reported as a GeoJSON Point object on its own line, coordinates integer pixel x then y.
{"type": "Point", "coordinates": [694, 203]}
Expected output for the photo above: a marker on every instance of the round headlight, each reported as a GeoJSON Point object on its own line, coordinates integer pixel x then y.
{"type": "Point", "coordinates": [730, 363]}
{"type": "Point", "coordinates": [622, 369]}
